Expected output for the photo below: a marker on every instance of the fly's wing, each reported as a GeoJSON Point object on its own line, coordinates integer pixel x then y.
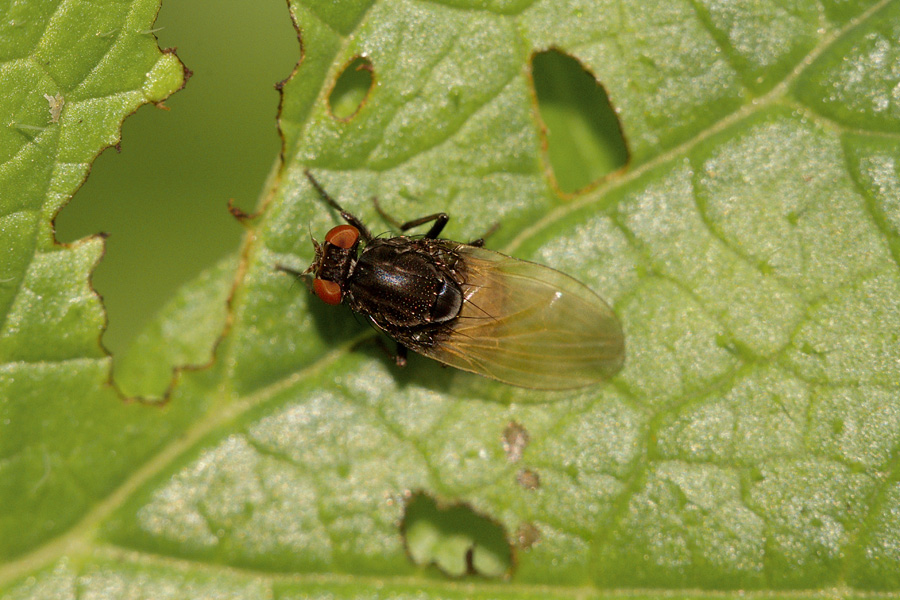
{"type": "Point", "coordinates": [529, 325]}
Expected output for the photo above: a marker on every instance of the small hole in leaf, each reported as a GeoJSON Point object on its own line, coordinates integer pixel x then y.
{"type": "Point", "coordinates": [584, 137]}
{"type": "Point", "coordinates": [351, 88]}
{"type": "Point", "coordinates": [455, 539]}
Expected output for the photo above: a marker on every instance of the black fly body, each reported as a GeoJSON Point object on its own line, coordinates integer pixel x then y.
{"type": "Point", "coordinates": [471, 308]}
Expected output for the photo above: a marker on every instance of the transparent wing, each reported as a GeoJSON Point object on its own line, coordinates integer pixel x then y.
{"type": "Point", "coordinates": [529, 325]}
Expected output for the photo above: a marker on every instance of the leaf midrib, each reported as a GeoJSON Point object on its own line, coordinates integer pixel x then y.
{"type": "Point", "coordinates": [482, 587]}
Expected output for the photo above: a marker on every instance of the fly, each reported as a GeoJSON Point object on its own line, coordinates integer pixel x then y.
{"type": "Point", "coordinates": [468, 307]}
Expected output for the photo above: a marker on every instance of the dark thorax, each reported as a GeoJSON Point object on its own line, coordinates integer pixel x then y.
{"type": "Point", "coordinates": [405, 283]}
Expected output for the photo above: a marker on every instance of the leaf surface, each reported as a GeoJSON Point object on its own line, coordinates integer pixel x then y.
{"type": "Point", "coordinates": [750, 250]}
{"type": "Point", "coordinates": [69, 73]}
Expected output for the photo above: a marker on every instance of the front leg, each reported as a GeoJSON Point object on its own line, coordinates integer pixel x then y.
{"type": "Point", "coordinates": [350, 218]}
{"type": "Point", "coordinates": [400, 357]}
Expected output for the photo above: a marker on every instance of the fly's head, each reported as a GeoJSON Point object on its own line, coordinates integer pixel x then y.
{"type": "Point", "coordinates": [333, 262]}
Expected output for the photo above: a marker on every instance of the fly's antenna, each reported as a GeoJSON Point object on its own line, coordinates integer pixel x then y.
{"type": "Point", "coordinates": [317, 249]}
{"type": "Point", "coordinates": [304, 275]}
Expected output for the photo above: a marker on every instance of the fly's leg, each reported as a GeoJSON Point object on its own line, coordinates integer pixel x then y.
{"type": "Point", "coordinates": [300, 275]}
{"type": "Point", "coordinates": [440, 220]}
{"type": "Point", "coordinates": [294, 272]}
{"type": "Point", "coordinates": [363, 231]}
{"type": "Point", "coordinates": [399, 357]}
{"type": "Point", "coordinates": [479, 243]}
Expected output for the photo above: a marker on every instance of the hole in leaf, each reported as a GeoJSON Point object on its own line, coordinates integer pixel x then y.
{"type": "Point", "coordinates": [351, 88]}
{"type": "Point", "coordinates": [584, 137]}
{"type": "Point", "coordinates": [455, 539]}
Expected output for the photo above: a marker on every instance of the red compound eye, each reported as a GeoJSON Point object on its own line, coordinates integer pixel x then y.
{"type": "Point", "coordinates": [342, 236]}
{"type": "Point", "coordinates": [328, 291]}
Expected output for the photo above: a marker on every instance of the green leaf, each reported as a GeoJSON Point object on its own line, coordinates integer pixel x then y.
{"type": "Point", "coordinates": [183, 334]}
{"type": "Point", "coordinates": [750, 249]}
{"type": "Point", "coordinates": [70, 73]}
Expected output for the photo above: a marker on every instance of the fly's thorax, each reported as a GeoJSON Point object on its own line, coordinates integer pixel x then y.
{"type": "Point", "coordinates": [399, 283]}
